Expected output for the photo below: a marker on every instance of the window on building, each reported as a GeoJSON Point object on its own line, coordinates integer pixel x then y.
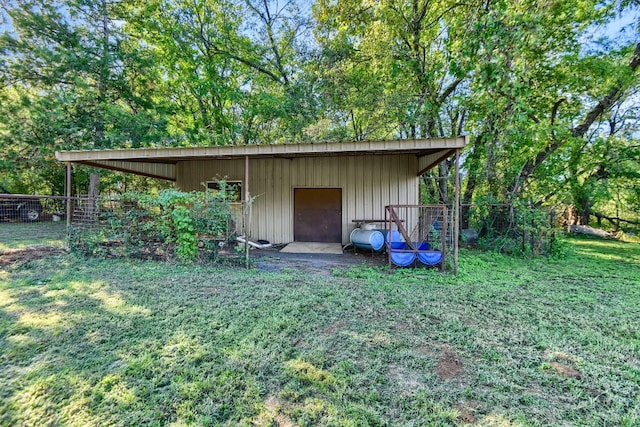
{"type": "Point", "coordinates": [233, 189]}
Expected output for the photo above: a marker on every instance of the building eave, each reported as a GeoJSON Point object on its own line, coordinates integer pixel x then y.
{"type": "Point", "coordinates": [147, 161]}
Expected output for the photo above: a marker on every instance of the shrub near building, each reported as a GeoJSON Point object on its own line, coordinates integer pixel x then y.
{"type": "Point", "coordinates": [158, 226]}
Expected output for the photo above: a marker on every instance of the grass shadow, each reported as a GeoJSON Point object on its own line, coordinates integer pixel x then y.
{"type": "Point", "coordinates": [19, 235]}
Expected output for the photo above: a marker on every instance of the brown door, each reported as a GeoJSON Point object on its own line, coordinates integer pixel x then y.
{"type": "Point", "coordinates": [317, 215]}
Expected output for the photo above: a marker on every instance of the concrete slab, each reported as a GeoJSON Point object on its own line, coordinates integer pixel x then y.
{"type": "Point", "coordinates": [272, 261]}
{"type": "Point", "coordinates": [312, 248]}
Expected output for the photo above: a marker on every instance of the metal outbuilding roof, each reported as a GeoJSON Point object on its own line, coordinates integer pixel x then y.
{"type": "Point", "coordinates": [161, 162]}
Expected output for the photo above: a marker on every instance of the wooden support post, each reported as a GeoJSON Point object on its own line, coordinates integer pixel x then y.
{"type": "Point", "coordinates": [456, 215]}
{"type": "Point", "coordinates": [387, 237]}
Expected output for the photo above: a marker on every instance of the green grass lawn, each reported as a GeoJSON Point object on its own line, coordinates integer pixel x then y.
{"type": "Point", "coordinates": [509, 342]}
{"type": "Point", "coordinates": [19, 235]}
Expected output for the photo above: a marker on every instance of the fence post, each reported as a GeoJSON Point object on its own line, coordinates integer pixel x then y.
{"type": "Point", "coordinates": [552, 226]}
{"type": "Point", "coordinates": [524, 229]}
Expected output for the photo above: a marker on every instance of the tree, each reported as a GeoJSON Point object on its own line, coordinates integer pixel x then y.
{"type": "Point", "coordinates": [623, 79]}
{"type": "Point", "coordinates": [536, 93]}
{"type": "Point", "coordinates": [399, 69]}
{"type": "Point", "coordinates": [550, 114]}
{"type": "Point", "coordinates": [232, 70]}
{"type": "Point", "coordinates": [75, 79]}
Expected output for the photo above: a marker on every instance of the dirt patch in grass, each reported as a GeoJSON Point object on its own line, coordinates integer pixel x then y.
{"type": "Point", "coordinates": [450, 366]}
{"type": "Point", "coordinates": [333, 328]}
{"type": "Point", "coordinates": [20, 256]}
{"type": "Point", "coordinates": [467, 411]}
{"type": "Point", "coordinates": [565, 371]}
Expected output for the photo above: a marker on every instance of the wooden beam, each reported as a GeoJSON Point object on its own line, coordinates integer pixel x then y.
{"type": "Point", "coordinates": [125, 170]}
{"type": "Point", "coordinates": [443, 156]}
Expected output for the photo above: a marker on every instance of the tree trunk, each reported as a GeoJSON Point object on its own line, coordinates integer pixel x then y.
{"type": "Point", "coordinates": [102, 79]}
{"type": "Point", "coordinates": [92, 197]}
{"type": "Point", "coordinates": [465, 208]}
{"type": "Point", "coordinates": [443, 188]}
{"type": "Point", "coordinates": [472, 181]}
{"type": "Point", "coordinates": [585, 210]}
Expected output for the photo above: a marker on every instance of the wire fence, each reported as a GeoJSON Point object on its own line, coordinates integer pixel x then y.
{"type": "Point", "coordinates": [509, 228]}
{"type": "Point", "coordinates": [135, 227]}
{"type": "Point", "coordinates": [32, 221]}
{"type": "Point", "coordinates": [32, 209]}
{"type": "Point", "coordinates": [193, 229]}
{"type": "Point", "coordinates": [420, 235]}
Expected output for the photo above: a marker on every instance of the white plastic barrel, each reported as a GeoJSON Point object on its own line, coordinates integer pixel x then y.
{"type": "Point", "coordinates": [371, 240]}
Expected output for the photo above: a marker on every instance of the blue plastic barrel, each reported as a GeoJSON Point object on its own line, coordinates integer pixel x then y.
{"type": "Point", "coordinates": [396, 246]}
{"type": "Point", "coordinates": [428, 256]}
{"type": "Point", "coordinates": [402, 259]}
{"type": "Point", "coordinates": [395, 240]}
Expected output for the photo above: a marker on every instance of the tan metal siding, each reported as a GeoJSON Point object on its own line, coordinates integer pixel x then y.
{"type": "Point", "coordinates": [368, 183]}
{"type": "Point", "coordinates": [190, 175]}
{"type": "Point", "coordinates": [158, 170]}
{"type": "Point", "coordinates": [394, 171]}
{"type": "Point", "coordinates": [376, 183]}
{"type": "Point", "coordinates": [428, 161]}
{"type": "Point", "coordinates": [343, 176]}
{"type": "Point", "coordinates": [286, 220]}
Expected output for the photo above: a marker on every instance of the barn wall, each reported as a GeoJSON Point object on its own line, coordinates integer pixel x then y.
{"type": "Point", "coordinates": [368, 183]}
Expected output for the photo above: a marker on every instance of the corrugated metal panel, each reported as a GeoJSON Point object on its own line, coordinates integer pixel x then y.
{"type": "Point", "coordinates": [432, 160]}
{"type": "Point", "coordinates": [425, 162]}
{"type": "Point", "coordinates": [286, 221]}
{"type": "Point", "coordinates": [343, 176]}
{"type": "Point", "coordinates": [318, 149]}
{"type": "Point", "coordinates": [156, 170]}
{"type": "Point", "coordinates": [192, 174]}
{"type": "Point", "coordinates": [368, 183]}
{"type": "Point", "coordinates": [376, 196]}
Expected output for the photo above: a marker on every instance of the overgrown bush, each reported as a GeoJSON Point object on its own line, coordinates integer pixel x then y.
{"type": "Point", "coordinates": [163, 225]}
{"type": "Point", "coordinates": [516, 229]}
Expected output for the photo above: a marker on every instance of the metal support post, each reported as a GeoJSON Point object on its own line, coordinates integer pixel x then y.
{"type": "Point", "coordinates": [247, 207]}
{"type": "Point", "coordinates": [456, 215]}
{"type": "Point", "coordinates": [68, 195]}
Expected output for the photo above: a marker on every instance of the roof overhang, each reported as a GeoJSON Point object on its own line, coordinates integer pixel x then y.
{"type": "Point", "coordinates": [161, 162]}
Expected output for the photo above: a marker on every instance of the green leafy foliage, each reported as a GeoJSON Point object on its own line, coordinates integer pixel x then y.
{"type": "Point", "coordinates": [146, 225]}
{"type": "Point", "coordinates": [71, 79]}
{"type": "Point", "coordinates": [185, 232]}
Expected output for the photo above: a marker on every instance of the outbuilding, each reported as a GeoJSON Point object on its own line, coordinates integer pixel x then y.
{"type": "Point", "coordinates": [310, 192]}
